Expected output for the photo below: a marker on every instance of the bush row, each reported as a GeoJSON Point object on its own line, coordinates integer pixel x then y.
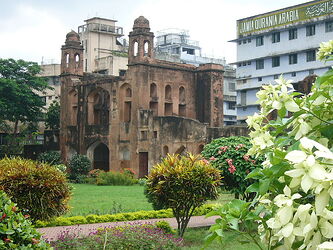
{"type": "Point", "coordinates": [139, 215]}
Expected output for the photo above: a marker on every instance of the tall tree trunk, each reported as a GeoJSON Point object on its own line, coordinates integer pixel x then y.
{"type": "Point", "coordinates": [15, 128]}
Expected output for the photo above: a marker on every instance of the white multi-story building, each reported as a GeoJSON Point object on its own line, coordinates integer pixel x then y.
{"type": "Point", "coordinates": [284, 42]}
{"type": "Point", "coordinates": [175, 45]}
{"type": "Point", "coordinates": [105, 50]}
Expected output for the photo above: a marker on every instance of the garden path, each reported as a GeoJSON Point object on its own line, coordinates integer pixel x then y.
{"type": "Point", "coordinates": [52, 233]}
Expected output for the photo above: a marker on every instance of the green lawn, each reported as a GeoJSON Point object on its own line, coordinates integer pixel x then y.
{"type": "Point", "coordinates": [93, 199]}
{"type": "Point", "coordinates": [194, 240]}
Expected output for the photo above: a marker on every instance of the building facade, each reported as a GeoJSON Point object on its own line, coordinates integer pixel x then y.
{"type": "Point", "coordinates": [105, 51]}
{"type": "Point", "coordinates": [175, 45]}
{"type": "Point", "coordinates": [284, 42]}
{"type": "Point", "coordinates": [131, 121]}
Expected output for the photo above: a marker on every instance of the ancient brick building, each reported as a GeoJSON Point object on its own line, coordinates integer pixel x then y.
{"type": "Point", "coordinates": [131, 121]}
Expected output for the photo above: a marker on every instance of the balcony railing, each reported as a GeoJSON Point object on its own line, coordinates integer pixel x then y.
{"type": "Point", "coordinates": [98, 27]}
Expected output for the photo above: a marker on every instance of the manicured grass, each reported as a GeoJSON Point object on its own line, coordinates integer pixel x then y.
{"type": "Point", "coordinates": [194, 239]}
{"type": "Point", "coordinates": [93, 199]}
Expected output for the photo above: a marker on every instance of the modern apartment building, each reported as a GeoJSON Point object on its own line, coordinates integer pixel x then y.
{"type": "Point", "coordinates": [175, 45]}
{"type": "Point", "coordinates": [105, 51]}
{"type": "Point", "coordinates": [284, 42]}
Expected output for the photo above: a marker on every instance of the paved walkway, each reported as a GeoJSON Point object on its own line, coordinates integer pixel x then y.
{"type": "Point", "coordinates": [52, 233]}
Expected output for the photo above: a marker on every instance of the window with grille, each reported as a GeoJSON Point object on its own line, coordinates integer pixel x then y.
{"type": "Point", "coordinates": [275, 61]}
{"type": "Point", "coordinates": [260, 64]}
{"type": "Point", "coordinates": [292, 58]}
{"type": "Point", "coordinates": [310, 30]}
{"type": "Point", "coordinates": [292, 34]}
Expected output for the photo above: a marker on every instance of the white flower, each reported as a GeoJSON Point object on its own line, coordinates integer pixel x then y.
{"type": "Point", "coordinates": [326, 245]}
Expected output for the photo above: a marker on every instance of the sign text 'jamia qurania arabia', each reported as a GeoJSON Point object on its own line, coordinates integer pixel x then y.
{"type": "Point", "coordinates": [296, 14]}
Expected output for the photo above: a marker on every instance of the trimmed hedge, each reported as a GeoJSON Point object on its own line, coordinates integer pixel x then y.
{"type": "Point", "coordinates": [140, 215]}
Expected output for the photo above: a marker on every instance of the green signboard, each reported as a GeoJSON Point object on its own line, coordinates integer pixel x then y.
{"type": "Point", "coordinates": [284, 17]}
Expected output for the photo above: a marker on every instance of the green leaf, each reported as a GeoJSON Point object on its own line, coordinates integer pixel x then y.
{"type": "Point", "coordinates": [263, 186]}
{"type": "Point", "coordinates": [209, 239]}
{"type": "Point", "coordinates": [327, 131]}
{"type": "Point", "coordinates": [244, 241]}
{"type": "Point", "coordinates": [282, 112]}
{"type": "Point", "coordinates": [253, 188]}
{"type": "Point", "coordinates": [255, 174]}
{"type": "Point", "coordinates": [327, 76]}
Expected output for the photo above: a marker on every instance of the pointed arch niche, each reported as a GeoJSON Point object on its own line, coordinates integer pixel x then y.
{"type": "Point", "coordinates": [153, 104]}
{"type": "Point", "coordinates": [72, 99]}
{"type": "Point", "coordinates": [126, 102]}
{"type": "Point", "coordinates": [168, 107]}
{"type": "Point", "coordinates": [182, 102]}
{"type": "Point", "coordinates": [98, 107]}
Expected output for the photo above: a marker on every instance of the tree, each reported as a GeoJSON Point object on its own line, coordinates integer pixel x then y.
{"type": "Point", "coordinates": [182, 183]}
{"type": "Point", "coordinates": [52, 120]}
{"type": "Point", "coordinates": [19, 91]}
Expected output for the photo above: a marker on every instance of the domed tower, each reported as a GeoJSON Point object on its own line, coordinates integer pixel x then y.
{"type": "Point", "coordinates": [72, 55]}
{"type": "Point", "coordinates": [141, 40]}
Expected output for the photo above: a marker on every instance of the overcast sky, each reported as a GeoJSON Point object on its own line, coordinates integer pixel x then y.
{"type": "Point", "coordinates": [36, 29]}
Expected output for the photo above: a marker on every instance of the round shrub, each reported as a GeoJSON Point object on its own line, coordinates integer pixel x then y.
{"type": "Point", "coordinates": [182, 183]}
{"type": "Point", "coordinates": [36, 187]}
{"type": "Point", "coordinates": [51, 157]}
{"type": "Point", "coordinates": [79, 167]}
{"type": "Point", "coordinates": [16, 231]}
{"type": "Point", "coordinates": [229, 154]}
{"type": "Point", "coordinates": [114, 179]}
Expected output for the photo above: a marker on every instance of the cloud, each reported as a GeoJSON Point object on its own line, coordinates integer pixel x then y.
{"type": "Point", "coordinates": [31, 33]}
{"type": "Point", "coordinates": [32, 29]}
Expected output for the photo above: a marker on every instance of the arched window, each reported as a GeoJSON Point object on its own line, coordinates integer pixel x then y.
{"type": "Point", "coordinates": [128, 92]}
{"type": "Point", "coordinates": [153, 90]}
{"type": "Point", "coordinates": [182, 99]}
{"type": "Point", "coordinates": [67, 60]}
{"type": "Point", "coordinates": [168, 93]}
{"type": "Point", "coordinates": [168, 107]}
{"type": "Point", "coordinates": [182, 102]}
{"type": "Point", "coordinates": [125, 99]}
{"type": "Point", "coordinates": [146, 48]}
{"type": "Point", "coordinates": [77, 60]}
{"type": "Point", "coordinates": [165, 150]}
{"type": "Point", "coordinates": [72, 98]}
{"type": "Point", "coordinates": [135, 48]}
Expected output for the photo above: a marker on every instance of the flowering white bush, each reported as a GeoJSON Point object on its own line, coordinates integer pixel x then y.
{"type": "Point", "coordinates": [294, 205]}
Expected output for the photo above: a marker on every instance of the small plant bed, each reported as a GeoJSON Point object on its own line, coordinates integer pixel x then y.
{"type": "Point", "coordinates": [139, 215]}
{"type": "Point", "coordinates": [147, 236]}
{"type": "Point", "coordinates": [93, 199]}
{"type": "Point", "coordinates": [131, 236]}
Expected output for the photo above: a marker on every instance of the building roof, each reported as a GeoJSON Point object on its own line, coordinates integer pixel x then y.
{"type": "Point", "coordinates": [100, 18]}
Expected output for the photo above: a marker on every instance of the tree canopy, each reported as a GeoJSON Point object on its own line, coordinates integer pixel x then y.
{"type": "Point", "coordinates": [52, 119]}
{"type": "Point", "coordinates": [20, 87]}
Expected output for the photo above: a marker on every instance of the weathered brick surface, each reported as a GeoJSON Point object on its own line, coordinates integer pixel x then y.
{"type": "Point", "coordinates": [158, 107]}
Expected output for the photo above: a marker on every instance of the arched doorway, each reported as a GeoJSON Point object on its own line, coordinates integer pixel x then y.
{"type": "Point", "coordinates": [98, 153]}
{"type": "Point", "coordinates": [101, 157]}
